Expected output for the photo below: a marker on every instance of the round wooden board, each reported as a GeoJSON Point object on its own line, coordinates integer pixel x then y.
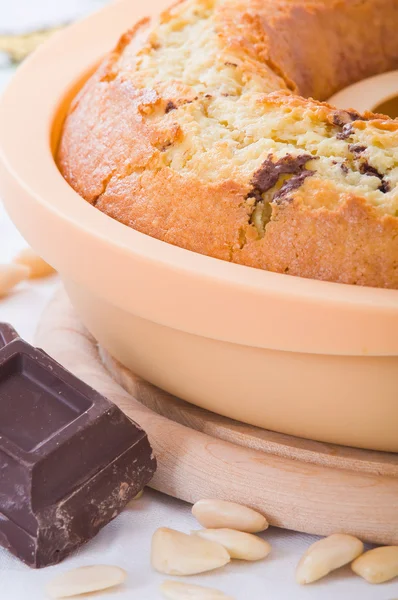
{"type": "Point", "coordinates": [298, 484]}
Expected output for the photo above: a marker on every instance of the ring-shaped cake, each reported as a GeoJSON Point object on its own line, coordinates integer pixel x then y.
{"type": "Point", "coordinates": [199, 130]}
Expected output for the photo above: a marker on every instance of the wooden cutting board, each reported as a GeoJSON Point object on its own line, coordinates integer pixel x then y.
{"type": "Point", "coordinates": [298, 484]}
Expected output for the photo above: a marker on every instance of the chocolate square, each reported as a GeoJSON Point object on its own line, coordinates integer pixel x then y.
{"type": "Point", "coordinates": [69, 458]}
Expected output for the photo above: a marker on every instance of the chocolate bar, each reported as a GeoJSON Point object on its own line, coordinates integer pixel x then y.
{"type": "Point", "coordinates": [70, 460]}
{"type": "Point", "coordinates": [7, 334]}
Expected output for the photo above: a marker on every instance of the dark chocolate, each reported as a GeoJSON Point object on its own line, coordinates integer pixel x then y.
{"type": "Point", "coordinates": [346, 132]}
{"type": "Point", "coordinates": [344, 117]}
{"type": "Point", "coordinates": [367, 169]}
{"type": "Point", "coordinates": [170, 106]}
{"type": "Point", "coordinates": [7, 334]}
{"type": "Point", "coordinates": [356, 148]}
{"type": "Point", "coordinates": [291, 184]}
{"type": "Point", "coordinates": [385, 186]}
{"type": "Point", "coordinates": [69, 459]}
{"type": "Point", "coordinates": [267, 176]}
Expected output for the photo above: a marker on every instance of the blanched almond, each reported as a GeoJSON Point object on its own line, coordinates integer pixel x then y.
{"type": "Point", "coordinates": [239, 545]}
{"type": "Point", "coordinates": [216, 514]}
{"type": "Point", "coordinates": [377, 565]}
{"type": "Point", "coordinates": [175, 553]}
{"type": "Point", "coordinates": [10, 276]}
{"type": "Point", "coordinates": [84, 580]}
{"type": "Point", "coordinates": [38, 267]}
{"type": "Point", "coordinates": [176, 590]}
{"type": "Point", "coordinates": [326, 555]}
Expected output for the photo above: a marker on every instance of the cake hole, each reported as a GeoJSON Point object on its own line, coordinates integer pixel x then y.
{"type": "Point", "coordinates": [388, 107]}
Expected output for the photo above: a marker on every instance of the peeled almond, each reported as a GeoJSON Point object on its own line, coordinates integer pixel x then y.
{"type": "Point", "coordinates": [175, 590]}
{"type": "Point", "coordinates": [37, 266]}
{"type": "Point", "coordinates": [378, 565]}
{"type": "Point", "coordinates": [217, 514]}
{"type": "Point", "coordinates": [10, 276]}
{"type": "Point", "coordinates": [326, 555]}
{"type": "Point", "coordinates": [175, 553]}
{"type": "Point", "coordinates": [85, 580]}
{"type": "Point", "coordinates": [239, 545]}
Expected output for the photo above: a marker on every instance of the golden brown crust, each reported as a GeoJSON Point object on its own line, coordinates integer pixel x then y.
{"type": "Point", "coordinates": [348, 244]}
{"type": "Point", "coordinates": [113, 146]}
{"type": "Point", "coordinates": [320, 46]}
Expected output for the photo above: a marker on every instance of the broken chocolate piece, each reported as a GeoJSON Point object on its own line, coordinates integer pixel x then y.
{"type": "Point", "coordinates": [356, 148]}
{"type": "Point", "coordinates": [346, 132]}
{"type": "Point", "coordinates": [385, 186]}
{"type": "Point", "coordinates": [7, 334]}
{"type": "Point", "coordinates": [292, 184]}
{"type": "Point", "coordinates": [267, 176]}
{"type": "Point", "coordinates": [70, 459]}
{"type": "Point", "coordinates": [170, 106]}
{"type": "Point", "coordinates": [367, 169]}
{"type": "Point", "coordinates": [344, 117]}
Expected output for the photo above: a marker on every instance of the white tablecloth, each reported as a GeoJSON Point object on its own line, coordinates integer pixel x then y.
{"type": "Point", "coordinates": [23, 16]}
{"type": "Point", "coordinates": [126, 541]}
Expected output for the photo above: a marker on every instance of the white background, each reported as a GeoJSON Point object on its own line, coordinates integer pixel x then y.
{"type": "Point", "coordinates": [126, 541]}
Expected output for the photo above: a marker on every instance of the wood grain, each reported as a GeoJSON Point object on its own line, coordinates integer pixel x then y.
{"type": "Point", "coordinates": [248, 436]}
{"type": "Point", "coordinates": [298, 484]}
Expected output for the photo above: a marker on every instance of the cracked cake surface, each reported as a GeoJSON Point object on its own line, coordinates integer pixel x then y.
{"type": "Point", "coordinates": [200, 129]}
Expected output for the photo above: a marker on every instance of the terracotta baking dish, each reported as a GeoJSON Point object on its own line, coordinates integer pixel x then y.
{"type": "Point", "coordinates": [313, 359]}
